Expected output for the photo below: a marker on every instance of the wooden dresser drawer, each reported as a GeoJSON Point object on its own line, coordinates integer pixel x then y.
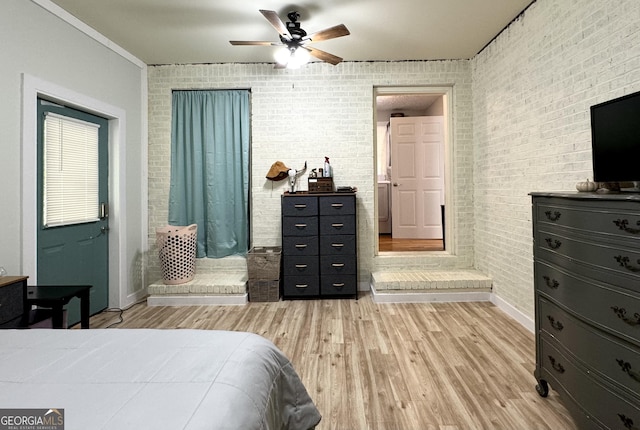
{"type": "Point", "coordinates": [338, 205]}
{"type": "Point", "coordinates": [599, 402]}
{"type": "Point", "coordinates": [614, 360]}
{"type": "Point", "coordinates": [574, 253]}
{"type": "Point", "coordinates": [299, 206]}
{"type": "Point", "coordinates": [299, 226]}
{"type": "Point", "coordinates": [609, 307]}
{"type": "Point", "coordinates": [608, 219]}
{"type": "Point", "coordinates": [338, 224]}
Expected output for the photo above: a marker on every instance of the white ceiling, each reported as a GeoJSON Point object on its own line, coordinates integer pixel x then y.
{"type": "Point", "coordinates": [198, 31]}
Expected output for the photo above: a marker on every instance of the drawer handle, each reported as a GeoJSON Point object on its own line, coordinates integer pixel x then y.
{"type": "Point", "coordinates": [337, 225]}
{"type": "Point", "coordinates": [337, 265]}
{"type": "Point", "coordinates": [336, 205]}
{"type": "Point", "coordinates": [624, 262]}
{"type": "Point", "coordinates": [551, 283]}
{"type": "Point", "coordinates": [337, 245]}
{"type": "Point", "coordinates": [622, 314]}
{"type": "Point", "coordinates": [555, 324]}
{"type": "Point", "coordinates": [301, 266]}
{"type": "Point", "coordinates": [622, 225]}
{"type": "Point", "coordinates": [301, 226]}
{"type": "Point", "coordinates": [300, 245]}
{"type": "Point", "coordinates": [555, 216]}
{"type": "Point", "coordinates": [626, 368]}
{"type": "Point", "coordinates": [340, 285]}
{"type": "Point", "coordinates": [302, 285]}
{"type": "Point", "coordinates": [300, 206]}
{"type": "Point", "coordinates": [556, 366]}
{"type": "Point", "coordinates": [553, 243]}
{"type": "Point", "coordinates": [626, 421]}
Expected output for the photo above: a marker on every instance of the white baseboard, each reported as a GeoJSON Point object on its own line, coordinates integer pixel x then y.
{"type": "Point", "coordinates": [514, 313]}
{"type": "Point", "coordinates": [423, 296]}
{"type": "Point", "coordinates": [191, 300]}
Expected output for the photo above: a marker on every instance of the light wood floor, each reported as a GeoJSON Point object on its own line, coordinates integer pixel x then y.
{"type": "Point", "coordinates": [428, 366]}
{"type": "Point", "coordinates": [387, 243]}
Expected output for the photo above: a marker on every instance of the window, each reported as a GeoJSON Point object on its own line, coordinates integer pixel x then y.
{"type": "Point", "coordinates": [70, 158]}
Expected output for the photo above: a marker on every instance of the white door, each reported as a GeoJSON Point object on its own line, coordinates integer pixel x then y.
{"type": "Point", "coordinates": [417, 177]}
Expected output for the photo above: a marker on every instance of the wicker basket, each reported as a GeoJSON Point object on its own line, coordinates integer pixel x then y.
{"type": "Point", "coordinates": [177, 252]}
{"type": "Point", "coordinates": [261, 290]}
{"type": "Point", "coordinates": [263, 262]}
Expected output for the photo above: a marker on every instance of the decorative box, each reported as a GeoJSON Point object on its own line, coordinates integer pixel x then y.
{"type": "Point", "coordinates": [321, 185]}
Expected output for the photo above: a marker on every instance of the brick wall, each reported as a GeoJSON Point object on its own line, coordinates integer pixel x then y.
{"type": "Point", "coordinates": [303, 115]}
{"type": "Point", "coordinates": [532, 89]}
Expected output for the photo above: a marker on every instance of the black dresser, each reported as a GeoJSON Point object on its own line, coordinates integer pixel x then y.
{"type": "Point", "coordinates": [12, 297]}
{"type": "Point", "coordinates": [587, 305]}
{"type": "Point", "coordinates": [319, 245]}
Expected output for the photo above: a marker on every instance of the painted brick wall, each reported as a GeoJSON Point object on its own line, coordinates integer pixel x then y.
{"type": "Point", "coordinates": [532, 89]}
{"type": "Point", "coordinates": [303, 115]}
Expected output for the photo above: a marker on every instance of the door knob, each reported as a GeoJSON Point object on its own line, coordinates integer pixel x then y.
{"type": "Point", "coordinates": [395, 184]}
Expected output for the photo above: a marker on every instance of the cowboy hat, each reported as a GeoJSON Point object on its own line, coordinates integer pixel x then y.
{"type": "Point", "coordinates": [278, 171]}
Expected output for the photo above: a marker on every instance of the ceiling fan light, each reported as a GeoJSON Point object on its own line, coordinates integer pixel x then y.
{"type": "Point", "coordinates": [282, 56]}
{"type": "Point", "coordinates": [299, 58]}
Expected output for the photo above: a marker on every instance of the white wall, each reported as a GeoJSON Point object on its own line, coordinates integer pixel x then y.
{"type": "Point", "coordinates": [304, 115]}
{"type": "Point", "coordinates": [532, 89]}
{"type": "Point", "coordinates": [44, 53]}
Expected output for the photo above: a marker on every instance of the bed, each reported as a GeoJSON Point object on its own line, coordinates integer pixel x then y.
{"type": "Point", "coordinates": [154, 379]}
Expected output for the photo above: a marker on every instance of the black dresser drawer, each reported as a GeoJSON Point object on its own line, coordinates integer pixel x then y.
{"type": "Point", "coordinates": [602, 405]}
{"type": "Point", "coordinates": [611, 358]}
{"type": "Point", "coordinates": [335, 285]}
{"type": "Point", "coordinates": [605, 305]}
{"type": "Point", "coordinates": [572, 252]}
{"type": "Point", "coordinates": [338, 244]}
{"type": "Point", "coordinates": [337, 205]}
{"type": "Point", "coordinates": [607, 219]}
{"type": "Point", "coordinates": [300, 226]}
{"type": "Point", "coordinates": [299, 206]}
{"type": "Point", "coordinates": [338, 264]}
{"type": "Point", "coordinates": [299, 245]}
{"type": "Point", "coordinates": [297, 266]}
{"type": "Point", "coordinates": [338, 224]}
{"type": "Point", "coordinates": [301, 286]}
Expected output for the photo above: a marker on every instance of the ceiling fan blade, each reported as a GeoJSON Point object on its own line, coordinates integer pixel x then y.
{"type": "Point", "coordinates": [277, 23]}
{"type": "Point", "coordinates": [324, 56]}
{"type": "Point", "coordinates": [329, 33]}
{"type": "Point", "coordinates": [252, 43]}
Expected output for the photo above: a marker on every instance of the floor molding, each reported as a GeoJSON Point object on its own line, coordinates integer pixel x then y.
{"type": "Point", "coordinates": [427, 296]}
{"type": "Point", "coordinates": [524, 320]}
{"type": "Point", "coordinates": [193, 300]}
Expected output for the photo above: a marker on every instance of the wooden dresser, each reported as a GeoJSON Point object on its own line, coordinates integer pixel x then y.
{"type": "Point", "coordinates": [587, 304]}
{"type": "Point", "coordinates": [12, 291]}
{"type": "Point", "coordinates": [319, 245]}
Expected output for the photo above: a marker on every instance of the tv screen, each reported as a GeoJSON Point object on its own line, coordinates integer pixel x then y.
{"type": "Point", "coordinates": [615, 139]}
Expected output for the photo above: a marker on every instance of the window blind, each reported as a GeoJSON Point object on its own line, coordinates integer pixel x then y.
{"type": "Point", "coordinates": [70, 156]}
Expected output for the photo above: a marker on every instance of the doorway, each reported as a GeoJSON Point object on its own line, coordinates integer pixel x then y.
{"type": "Point", "coordinates": [391, 105]}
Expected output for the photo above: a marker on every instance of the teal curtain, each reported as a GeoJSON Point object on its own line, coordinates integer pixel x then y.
{"type": "Point", "coordinates": [210, 169]}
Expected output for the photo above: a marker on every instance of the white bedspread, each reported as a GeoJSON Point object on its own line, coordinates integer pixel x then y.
{"type": "Point", "coordinates": [154, 379]}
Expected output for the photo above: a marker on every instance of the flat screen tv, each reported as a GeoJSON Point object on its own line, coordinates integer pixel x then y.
{"type": "Point", "coordinates": [615, 140]}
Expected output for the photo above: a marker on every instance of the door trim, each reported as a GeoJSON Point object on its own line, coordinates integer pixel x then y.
{"type": "Point", "coordinates": [32, 88]}
{"type": "Point", "coordinates": [449, 160]}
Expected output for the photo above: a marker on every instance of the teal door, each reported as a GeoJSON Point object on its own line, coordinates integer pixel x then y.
{"type": "Point", "coordinates": [73, 224]}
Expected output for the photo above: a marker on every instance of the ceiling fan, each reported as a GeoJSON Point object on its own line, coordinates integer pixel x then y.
{"type": "Point", "coordinates": [294, 41]}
